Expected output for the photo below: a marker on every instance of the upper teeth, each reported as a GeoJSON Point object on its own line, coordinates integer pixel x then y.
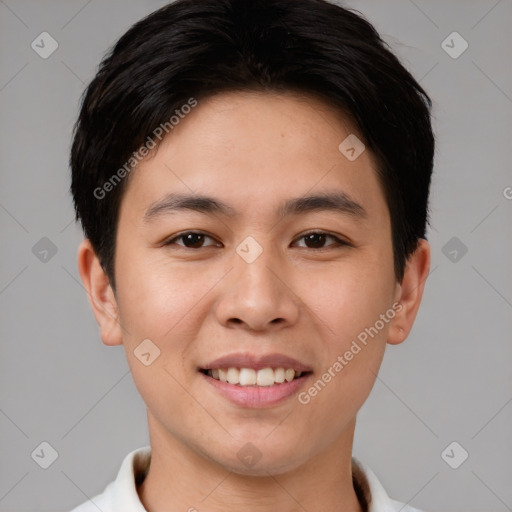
{"type": "Point", "coordinates": [251, 377]}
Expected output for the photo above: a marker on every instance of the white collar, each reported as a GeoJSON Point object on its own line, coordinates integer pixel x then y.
{"type": "Point", "coordinates": [121, 494]}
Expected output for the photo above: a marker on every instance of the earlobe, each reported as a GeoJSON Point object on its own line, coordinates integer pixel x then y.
{"type": "Point", "coordinates": [100, 294]}
{"type": "Point", "coordinates": [410, 292]}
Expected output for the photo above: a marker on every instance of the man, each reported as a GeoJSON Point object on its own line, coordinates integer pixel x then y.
{"type": "Point", "coordinates": [252, 178]}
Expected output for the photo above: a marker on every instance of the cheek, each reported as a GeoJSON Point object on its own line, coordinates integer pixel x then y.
{"type": "Point", "coordinates": [349, 309]}
{"type": "Point", "coordinates": [165, 305]}
{"type": "Point", "coordinates": [353, 343]}
{"type": "Point", "coordinates": [350, 297]}
{"type": "Point", "coordinates": [154, 307]}
{"type": "Point", "coordinates": [154, 298]}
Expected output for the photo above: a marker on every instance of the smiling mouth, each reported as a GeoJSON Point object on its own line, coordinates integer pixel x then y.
{"type": "Point", "coordinates": [263, 377]}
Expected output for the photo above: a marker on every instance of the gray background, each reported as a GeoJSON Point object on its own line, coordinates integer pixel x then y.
{"type": "Point", "coordinates": [450, 381]}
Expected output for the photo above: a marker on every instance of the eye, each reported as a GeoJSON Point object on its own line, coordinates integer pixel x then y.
{"type": "Point", "coordinates": [314, 240]}
{"type": "Point", "coordinates": [317, 238]}
{"type": "Point", "coordinates": [192, 240]}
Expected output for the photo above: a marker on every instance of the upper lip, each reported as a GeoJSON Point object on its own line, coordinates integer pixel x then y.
{"type": "Point", "coordinates": [246, 360]}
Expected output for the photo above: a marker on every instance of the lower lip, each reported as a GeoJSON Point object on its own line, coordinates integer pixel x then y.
{"type": "Point", "coordinates": [257, 396]}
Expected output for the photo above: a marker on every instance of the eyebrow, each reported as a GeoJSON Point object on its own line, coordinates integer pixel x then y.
{"type": "Point", "coordinates": [339, 202]}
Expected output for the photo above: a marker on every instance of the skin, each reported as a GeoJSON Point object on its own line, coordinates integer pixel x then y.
{"type": "Point", "coordinates": [253, 151]}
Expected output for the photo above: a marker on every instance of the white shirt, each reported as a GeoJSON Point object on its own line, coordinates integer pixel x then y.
{"type": "Point", "coordinates": [121, 494]}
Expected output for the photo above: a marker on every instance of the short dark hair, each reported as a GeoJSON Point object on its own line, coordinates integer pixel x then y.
{"type": "Point", "coordinates": [197, 48]}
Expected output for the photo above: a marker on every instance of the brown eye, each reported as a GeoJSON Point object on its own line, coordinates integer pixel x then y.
{"type": "Point", "coordinates": [313, 240]}
{"type": "Point", "coordinates": [316, 240]}
{"type": "Point", "coordinates": [191, 240]}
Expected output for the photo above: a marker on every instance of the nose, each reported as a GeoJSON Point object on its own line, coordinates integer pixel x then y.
{"type": "Point", "coordinates": [258, 295]}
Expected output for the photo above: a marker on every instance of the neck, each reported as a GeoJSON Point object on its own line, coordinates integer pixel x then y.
{"type": "Point", "coordinates": [181, 479]}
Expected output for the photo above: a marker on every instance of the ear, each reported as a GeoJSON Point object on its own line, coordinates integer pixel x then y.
{"type": "Point", "coordinates": [100, 293]}
{"type": "Point", "coordinates": [409, 293]}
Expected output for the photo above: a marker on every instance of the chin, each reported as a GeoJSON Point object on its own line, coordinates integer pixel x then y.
{"type": "Point", "coordinates": [262, 458]}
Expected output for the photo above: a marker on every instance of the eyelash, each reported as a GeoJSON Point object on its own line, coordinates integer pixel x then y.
{"type": "Point", "coordinates": [338, 241]}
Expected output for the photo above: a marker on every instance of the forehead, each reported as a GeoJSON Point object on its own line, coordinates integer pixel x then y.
{"type": "Point", "coordinates": [255, 150]}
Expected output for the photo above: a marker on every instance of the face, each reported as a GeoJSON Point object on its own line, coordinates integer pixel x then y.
{"type": "Point", "coordinates": [267, 312]}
